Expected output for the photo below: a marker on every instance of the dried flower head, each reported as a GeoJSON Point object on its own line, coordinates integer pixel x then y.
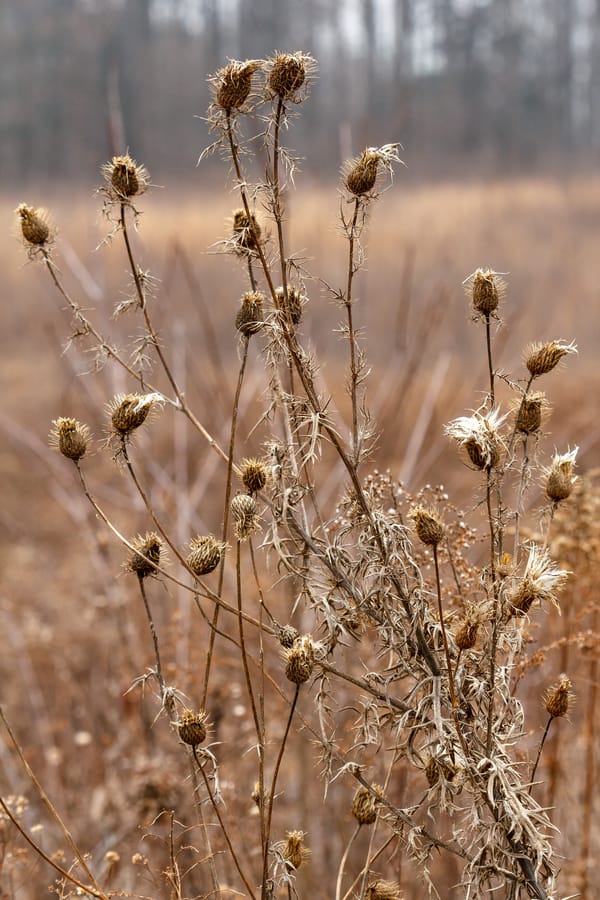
{"type": "Point", "coordinates": [479, 436]}
{"type": "Point", "coordinates": [364, 804]}
{"type": "Point", "coordinates": [289, 76]}
{"type": "Point", "coordinates": [192, 727]}
{"type": "Point", "coordinates": [145, 555]}
{"type": "Point", "coordinates": [559, 476]}
{"type": "Point", "coordinates": [255, 474]}
{"type": "Point", "coordinates": [530, 412]}
{"type": "Point", "coordinates": [129, 411]}
{"type": "Point", "coordinates": [383, 890]}
{"type": "Point", "coordinates": [36, 229]}
{"type": "Point", "coordinates": [70, 437]}
{"type": "Point", "coordinates": [295, 302]}
{"type": "Point", "coordinates": [558, 697]}
{"type": "Point", "coordinates": [485, 288]}
{"type": "Point", "coordinates": [294, 850]}
{"type": "Point", "coordinates": [542, 358]}
{"type": "Point", "coordinates": [466, 635]}
{"type": "Point", "coordinates": [286, 635]}
{"type": "Point", "coordinates": [232, 85]}
{"type": "Point", "coordinates": [245, 516]}
{"type": "Point", "coordinates": [250, 316]}
{"type": "Point", "coordinates": [541, 581]}
{"type": "Point", "coordinates": [205, 554]}
{"type": "Point", "coordinates": [124, 178]}
{"type": "Point", "coordinates": [428, 525]}
{"type": "Point", "coordinates": [300, 660]}
{"type": "Point", "coordinates": [246, 232]}
{"type": "Point", "coordinates": [360, 174]}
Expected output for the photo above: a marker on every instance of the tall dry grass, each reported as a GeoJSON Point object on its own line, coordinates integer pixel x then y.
{"type": "Point", "coordinates": [398, 737]}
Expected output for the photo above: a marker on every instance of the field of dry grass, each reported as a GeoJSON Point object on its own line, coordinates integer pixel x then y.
{"type": "Point", "coordinates": [75, 634]}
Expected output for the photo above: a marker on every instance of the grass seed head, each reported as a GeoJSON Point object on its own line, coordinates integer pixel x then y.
{"type": "Point", "coordinates": [192, 727]}
{"type": "Point", "coordinates": [205, 554]}
{"type": "Point", "coordinates": [232, 84]}
{"type": "Point", "coordinates": [70, 437]}
{"type": "Point", "coordinates": [125, 178]}
{"type": "Point", "coordinates": [558, 697]}
{"type": "Point", "coordinates": [145, 555]}
{"type": "Point", "coordinates": [250, 317]}
{"type": "Point", "coordinates": [364, 805]}
{"type": "Point", "coordinates": [542, 358]}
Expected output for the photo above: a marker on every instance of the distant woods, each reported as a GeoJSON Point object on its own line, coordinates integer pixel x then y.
{"type": "Point", "coordinates": [465, 85]}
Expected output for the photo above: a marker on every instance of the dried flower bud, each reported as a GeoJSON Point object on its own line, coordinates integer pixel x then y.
{"type": "Point", "coordinates": [364, 805]}
{"type": "Point", "coordinates": [286, 635]}
{"type": "Point", "coordinates": [466, 635]}
{"type": "Point", "coordinates": [246, 231]}
{"type": "Point", "coordinates": [486, 289]}
{"type": "Point", "coordinates": [542, 358]}
{"type": "Point", "coordinates": [295, 301]}
{"type": "Point", "coordinates": [35, 226]}
{"type": "Point", "coordinates": [125, 178]}
{"type": "Point", "coordinates": [255, 473]}
{"type": "Point", "coordinates": [558, 697]}
{"type": "Point", "coordinates": [129, 411]}
{"type": "Point", "coordinates": [559, 476]}
{"type": "Point", "coordinates": [146, 554]}
{"type": "Point", "coordinates": [360, 174]}
{"type": "Point", "coordinates": [300, 660]}
{"type": "Point", "coordinates": [294, 850]}
{"type": "Point", "coordinates": [529, 414]}
{"type": "Point", "coordinates": [232, 84]}
{"type": "Point", "coordinates": [70, 437]}
{"type": "Point", "coordinates": [383, 890]}
{"type": "Point", "coordinates": [192, 727]}
{"type": "Point", "coordinates": [245, 514]}
{"type": "Point", "coordinates": [205, 554]}
{"type": "Point", "coordinates": [288, 75]}
{"type": "Point", "coordinates": [250, 317]}
{"type": "Point", "coordinates": [428, 525]}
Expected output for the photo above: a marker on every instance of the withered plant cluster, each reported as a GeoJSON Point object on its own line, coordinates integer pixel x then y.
{"type": "Point", "coordinates": [385, 634]}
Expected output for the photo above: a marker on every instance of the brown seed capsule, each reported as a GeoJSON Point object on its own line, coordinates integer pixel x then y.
{"type": "Point", "coordinates": [360, 174]}
{"type": "Point", "coordinates": [35, 226]}
{"type": "Point", "coordinates": [300, 660]}
{"type": "Point", "coordinates": [245, 515]}
{"type": "Point", "coordinates": [286, 635]}
{"type": "Point", "coordinates": [294, 850]}
{"type": "Point", "coordinates": [129, 411]}
{"type": "Point", "coordinates": [192, 727]}
{"type": "Point", "coordinates": [529, 414]}
{"type": "Point", "coordinates": [250, 317]}
{"type": "Point", "coordinates": [125, 177]}
{"type": "Point", "coordinates": [246, 231]}
{"type": "Point", "coordinates": [287, 73]}
{"type": "Point", "coordinates": [429, 527]}
{"type": "Point", "coordinates": [254, 474]}
{"type": "Point", "coordinates": [295, 301]}
{"type": "Point", "coordinates": [558, 697]}
{"type": "Point", "coordinates": [146, 553]}
{"type": "Point", "coordinates": [486, 288]}
{"type": "Point", "coordinates": [542, 358]}
{"type": "Point", "coordinates": [559, 477]}
{"type": "Point", "coordinates": [70, 437]}
{"type": "Point", "coordinates": [205, 554]}
{"type": "Point", "coordinates": [383, 890]}
{"type": "Point", "coordinates": [232, 84]}
{"type": "Point", "coordinates": [364, 805]}
{"type": "Point", "coordinates": [466, 635]}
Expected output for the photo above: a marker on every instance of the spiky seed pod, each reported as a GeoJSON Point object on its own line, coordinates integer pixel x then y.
{"type": "Point", "coordinates": [529, 414]}
{"type": "Point", "coordinates": [466, 635]}
{"type": "Point", "coordinates": [383, 890]}
{"type": "Point", "coordinates": [250, 317]}
{"type": "Point", "coordinates": [288, 74]}
{"type": "Point", "coordinates": [192, 727]}
{"type": "Point", "coordinates": [129, 411]}
{"type": "Point", "coordinates": [232, 84]}
{"type": "Point", "coordinates": [486, 289]}
{"type": "Point", "coordinates": [146, 554]}
{"type": "Point", "coordinates": [559, 477]}
{"type": "Point", "coordinates": [125, 178]}
{"type": "Point", "coordinates": [255, 473]}
{"type": "Point", "coordinates": [295, 300]}
{"type": "Point", "coordinates": [35, 226]}
{"type": "Point", "coordinates": [246, 231]}
{"type": "Point", "coordinates": [294, 849]}
{"type": "Point", "coordinates": [428, 525]}
{"type": "Point", "coordinates": [542, 358]}
{"type": "Point", "coordinates": [479, 437]}
{"type": "Point", "coordinates": [300, 660]}
{"type": "Point", "coordinates": [205, 554]}
{"type": "Point", "coordinates": [286, 635]}
{"type": "Point", "coordinates": [360, 174]}
{"type": "Point", "coordinates": [558, 697]}
{"type": "Point", "coordinates": [70, 437]}
{"type": "Point", "coordinates": [541, 581]}
{"type": "Point", "coordinates": [364, 805]}
{"type": "Point", "coordinates": [245, 515]}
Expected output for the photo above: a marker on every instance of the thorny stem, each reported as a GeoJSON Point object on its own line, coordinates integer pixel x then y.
{"type": "Point", "coordinates": [488, 340]}
{"type": "Point", "coordinates": [496, 619]}
{"type": "Point", "coordinates": [453, 697]}
{"type": "Point", "coordinates": [232, 435]}
{"type": "Point", "coordinates": [351, 335]}
{"type": "Point", "coordinates": [166, 699]}
{"type": "Point", "coordinates": [539, 753]}
{"type": "Point", "coordinates": [519, 501]}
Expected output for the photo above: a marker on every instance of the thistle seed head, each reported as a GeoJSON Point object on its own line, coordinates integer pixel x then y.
{"type": "Point", "coordinates": [129, 411]}
{"type": "Point", "coordinates": [146, 554]}
{"type": "Point", "coordinates": [529, 413]}
{"type": "Point", "coordinates": [558, 697]}
{"type": "Point", "coordinates": [255, 474]}
{"type": "Point", "coordinates": [245, 516]}
{"type": "Point", "coordinates": [35, 225]}
{"type": "Point", "coordinates": [466, 635]}
{"type": "Point", "coordinates": [559, 476]}
{"type": "Point", "coordinates": [542, 358]}
{"type": "Point", "coordinates": [246, 232]}
{"type": "Point", "coordinates": [232, 84]}
{"type": "Point", "coordinates": [479, 437]}
{"type": "Point", "coordinates": [192, 727]}
{"type": "Point", "coordinates": [300, 660]}
{"type": "Point", "coordinates": [364, 805]}
{"type": "Point", "coordinates": [428, 525]}
{"type": "Point", "coordinates": [360, 175]}
{"type": "Point", "coordinates": [295, 299]}
{"type": "Point", "coordinates": [125, 178]}
{"type": "Point", "coordinates": [294, 850]}
{"type": "Point", "coordinates": [70, 437]}
{"type": "Point", "coordinates": [383, 890]}
{"type": "Point", "coordinates": [286, 635]}
{"type": "Point", "coordinates": [541, 581]}
{"type": "Point", "coordinates": [250, 317]}
{"type": "Point", "coordinates": [205, 554]}
{"type": "Point", "coordinates": [486, 288]}
{"type": "Point", "coordinates": [289, 76]}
